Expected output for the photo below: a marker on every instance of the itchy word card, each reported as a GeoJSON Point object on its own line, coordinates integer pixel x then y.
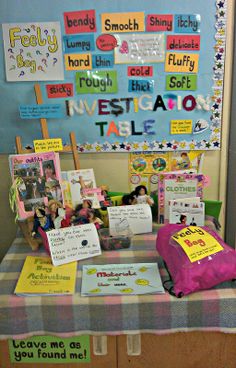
{"type": "Point", "coordinates": [73, 243]}
{"type": "Point", "coordinates": [137, 218]}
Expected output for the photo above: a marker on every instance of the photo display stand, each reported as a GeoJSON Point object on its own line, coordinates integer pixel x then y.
{"type": "Point", "coordinates": [26, 225]}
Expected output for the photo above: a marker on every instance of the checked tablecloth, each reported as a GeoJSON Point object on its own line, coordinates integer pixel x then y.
{"type": "Point", "coordinates": [64, 316]}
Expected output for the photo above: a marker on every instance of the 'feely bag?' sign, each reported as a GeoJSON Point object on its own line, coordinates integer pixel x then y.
{"type": "Point", "coordinates": [50, 349]}
{"type": "Point", "coordinates": [197, 243]}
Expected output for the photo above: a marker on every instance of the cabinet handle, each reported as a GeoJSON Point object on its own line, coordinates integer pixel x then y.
{"type": "Point", "coordinates": [133, 344]}
{"type": "Point", "coordinates": [100, 345]}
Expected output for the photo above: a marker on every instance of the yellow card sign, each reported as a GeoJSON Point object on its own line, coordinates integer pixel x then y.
{"type": "Point", "coordinates": [181, 62]}
{"type": "Point", "coordinates": [122, 22]}
{"type": "Point", "coordinates": [181, 127]}
{"type": "Point", "coordinates": [47, 145]}
{"type": "Point", "coordinates": [197, 243]}
{"type": "Point", "coordinates": [78, 61]}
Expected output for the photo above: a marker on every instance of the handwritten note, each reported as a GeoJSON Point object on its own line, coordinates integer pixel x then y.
{"type": "Point", "coordinates": [181, 127]}
{"type": "Point", "coordinates": [73, 243]}
{"type": "Point", "coordinates": [41, 111]}
{"type": "Point", "coordinates": [47, 145]}
{"type": "Point", "coordinates": [136, 217]}
{"type": "Point", "coordinates": [139, 48]}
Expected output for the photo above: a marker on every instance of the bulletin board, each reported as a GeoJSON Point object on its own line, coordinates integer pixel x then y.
{"type": "Point", "coordinates": [125, 76]}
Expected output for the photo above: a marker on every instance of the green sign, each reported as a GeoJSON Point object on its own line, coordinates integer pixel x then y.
{"type": "Point", "coordinates": [181, 82]}
{"type": "Point", "coordinates": [50, 349]}
{"type": "Point", "coordinates": [96, 82]}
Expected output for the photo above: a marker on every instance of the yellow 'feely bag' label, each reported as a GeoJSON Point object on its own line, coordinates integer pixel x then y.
{"type": "Point", "coordinates": [197, 243]}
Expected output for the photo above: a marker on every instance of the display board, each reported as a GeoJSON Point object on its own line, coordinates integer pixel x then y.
{"type": "Point", "coordinates": [124, 76]}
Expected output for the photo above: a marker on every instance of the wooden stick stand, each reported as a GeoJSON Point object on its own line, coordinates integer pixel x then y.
{"type": "Point", "coordinates": [26, 225]}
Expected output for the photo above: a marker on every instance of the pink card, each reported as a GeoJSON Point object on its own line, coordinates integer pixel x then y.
{"type": "Point", "coordinates": [159, 22]}
{"type": "Point", "coordinates": [183, 42]}
{"type": "Point", "coordinates": [63, 90]}
{"type": "Point", "coordinates": [83, 21]}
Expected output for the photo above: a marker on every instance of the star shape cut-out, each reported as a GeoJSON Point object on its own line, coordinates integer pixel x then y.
{"type": "Point", "coordinates": [128, 148]}
{"type": "Point", "coordinates": [208, 145]}
{"type": "Point", "coordinates": [192, 146]}
{"type": "Point", "coordinates": [151, 145]}
{"type": "Point", "coordinates": [218, 56]}
{"type": "Point", "coordinates": [113, 147]}
{"type": "Point", "coordinates": [135, 146]}
{"type": "Point", "coordinates": [182, 144]}
{"type": "Point", "coordinates": [169, 144]}
{"type": "Point", "coordinates": [215, 106]}
{"type": "Point", "coordinates": [219, 83]}
{"type": "Point", "coordinates": [222, 13]}
{"type": "Point", "coordinates": [216, 144]}
{"type": "Point", "coordinates": [217, 92]}
{"type": "Point", "coordinates": [88, 147]}
{"type": "Point", "coordinates": [105, 146]}
{"type": "Point", "coordinates": [220, 4]}
{"type": "Point", "coordinates": [145, 147]}
{"type": "Point", "coordinates": [161, 146]}
{"type": "Point", "coordinates": [216, 114]}
{"type": "Point", "coordinates": [122, 146]}
{"type": "Point", "coordinates": [81, 149]}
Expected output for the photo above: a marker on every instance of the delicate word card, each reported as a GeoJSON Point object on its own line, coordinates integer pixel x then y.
{"type": "Point", "coordinates": [137, 218]}
{"type": "Point", "coordinates": [33, 51]}
{"type": "Point", "coordinates": [73, 243]}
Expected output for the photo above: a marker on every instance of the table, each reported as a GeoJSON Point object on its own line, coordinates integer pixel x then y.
{"type": "Point", "coordinates": [154, 316]}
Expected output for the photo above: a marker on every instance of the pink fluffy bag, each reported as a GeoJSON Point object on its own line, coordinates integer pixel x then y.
{"type": "Point", "coordinates": [189, 277]}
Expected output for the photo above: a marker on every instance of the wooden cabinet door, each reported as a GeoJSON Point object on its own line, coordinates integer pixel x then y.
{"type": "Point", "coordinates": [181, 350]}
